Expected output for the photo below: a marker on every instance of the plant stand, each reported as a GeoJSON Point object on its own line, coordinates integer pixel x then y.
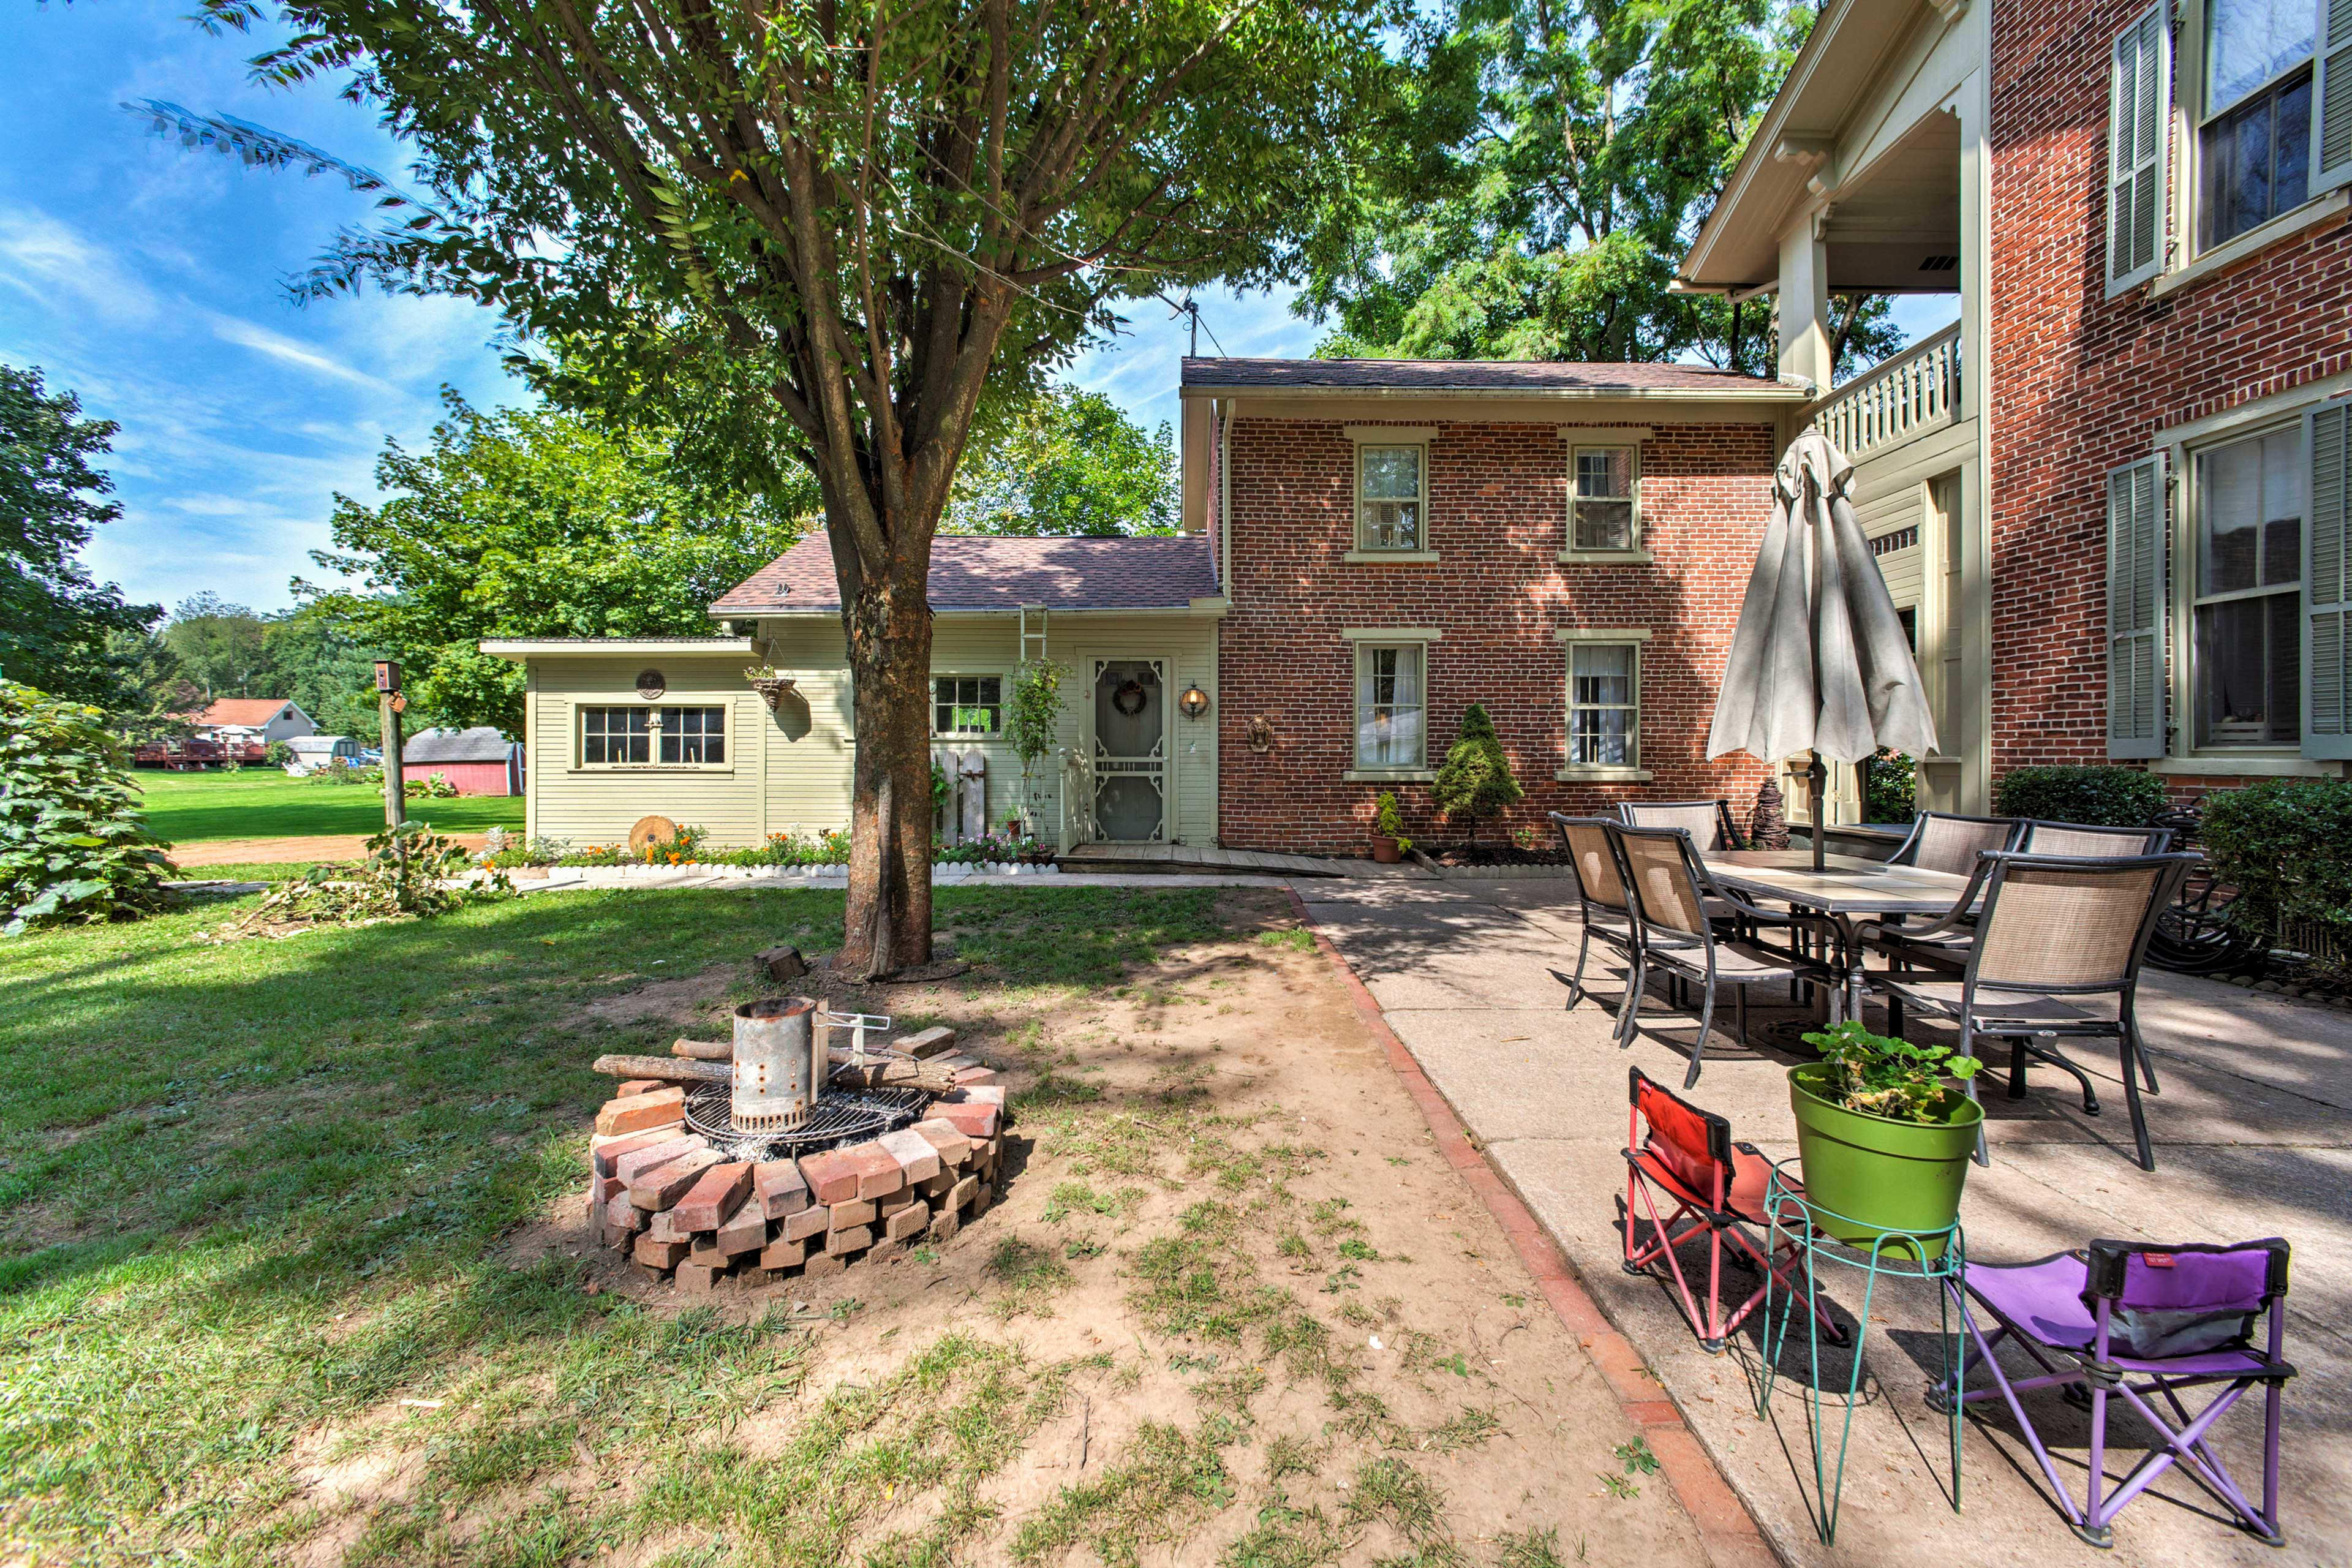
{"type": "Point", "coordinates": [1917, 1255]}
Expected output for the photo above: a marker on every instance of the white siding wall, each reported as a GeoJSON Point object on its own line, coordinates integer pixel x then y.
{"type": "Point", "coordinates": [598, 805]}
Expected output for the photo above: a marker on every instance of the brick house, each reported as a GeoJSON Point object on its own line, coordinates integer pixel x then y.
{"type": "Point", "coordinates": [2113, 493]}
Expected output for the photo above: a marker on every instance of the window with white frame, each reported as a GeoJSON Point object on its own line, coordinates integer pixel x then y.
{"type": "Point", "coordinates": [1603, 510]}
{"type": "Point", "coordinates": [647, 736]}
{"type": "Point", "coordinates": [1391, 497]}
{"type": "Point", "coordinates": [966, 705]}
{"type": "Point", "coordinates": [2254, 135]}
{"type": "Point", "coordinates": [2246, 506]}
{"type": "Point", "coordinates": [1391, 703]}
{"type": "Point", "coordinates": [1604, 704]}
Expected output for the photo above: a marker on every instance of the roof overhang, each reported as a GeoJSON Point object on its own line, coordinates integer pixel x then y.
{"type": "Point", "coordinates": [617, 647]}
{"type": "Point", "coordinates": [832, 612]}
{"type": "Point", "coordinates": [1766, 392]}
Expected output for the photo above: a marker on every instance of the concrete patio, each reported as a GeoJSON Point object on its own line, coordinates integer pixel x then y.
{"type": "Point", "coordinates": [2253, 1137]}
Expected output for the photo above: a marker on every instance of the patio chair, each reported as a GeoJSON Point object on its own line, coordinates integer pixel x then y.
{"type": "Point", "coordinates": [2052, 933]}
{"type": "Point", "coordinates": [1708, 821]}
{"type": "Point", "coordinates": [2082, 840]}
{"type": "Point", "coordinates": [1682, 1159]}
{"type": "Point", "coordinates": [1941, 841]}
{"type": "Point", "coordinates": [1606, 912]}
{"type": "Point", "coordinates": [2147, 1323]}
{"type": "Point", "coordinates": [1675, 906]}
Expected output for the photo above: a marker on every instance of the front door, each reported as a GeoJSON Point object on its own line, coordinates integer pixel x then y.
{"type": "Point", "coordinates": [1130, 749]}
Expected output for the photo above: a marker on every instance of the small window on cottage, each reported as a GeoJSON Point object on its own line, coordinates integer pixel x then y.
{"type": "Point", "coordinates": [1604, 714]}
{"type": "Point", "coordinates": [693, 736]}
{"type": "Point", "coordinates": [1602, 514]}
{"type": "Point", "coordinates": [967, 704]}
{"type": "Point", "coordinates": [610, 735]}
{"type": "Point", "coordinates": [1390, 704]}
{"type": "Point", "coordinates": [1390, 497]}
{"type": "Point", "coordinates": [622, 737]}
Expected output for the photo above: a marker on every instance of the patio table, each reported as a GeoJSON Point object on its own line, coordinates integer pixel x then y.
{"type": "Point", "coordinates": [1848, 890]}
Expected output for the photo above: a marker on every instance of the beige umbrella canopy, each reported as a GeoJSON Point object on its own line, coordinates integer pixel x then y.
{"type": "Point", "coordinates": [1819, 662]}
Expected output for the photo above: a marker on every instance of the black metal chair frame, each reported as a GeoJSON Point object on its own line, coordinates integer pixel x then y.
{"type": "Point", "coordinates": [2152, 840]}
{"type": "Point", "coordinates": [1731, 837]}
{"type": "Point", "coordinates": [2026, 1036]}
{"type": "Point", "coordinates": [1628, 942]}
{"type": "Point", "coordinates": [1907, 852]}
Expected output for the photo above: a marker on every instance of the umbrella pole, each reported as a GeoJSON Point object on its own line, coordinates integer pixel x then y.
{"type": "Point", "coordinates": [1817, 783]}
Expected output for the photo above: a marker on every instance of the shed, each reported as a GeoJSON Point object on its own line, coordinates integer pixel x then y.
{"type": "Point", "coordinates": [478, 761]}
{"type": "Point", "coordinates": [312, 752]}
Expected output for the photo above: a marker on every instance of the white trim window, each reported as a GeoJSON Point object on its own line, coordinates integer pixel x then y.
{"type": "Point", "coordinates": [2255, 115]}
{"type": "Point", "coordinates": [967, 707]}
{"type": "Point", "coordinates": [2246, 596]}
{"type": "Point", "coordinates": [1392, 707]}
{"type": "Point", "coordinates": [1604, 705]}
{"type": "Point", "coordinates": [1604, 507]}
{"type": "Point", "coordinates": [1391, 497]}
{"type": "Point", "coordinates": [635, 735]}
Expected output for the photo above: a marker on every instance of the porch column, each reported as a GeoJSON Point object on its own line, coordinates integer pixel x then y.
{"type": "Point", "coordinates": [1804, 307]}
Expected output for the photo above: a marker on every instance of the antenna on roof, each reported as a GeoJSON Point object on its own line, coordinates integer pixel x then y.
{"type": "Point", "coordinates": [1191, 310]}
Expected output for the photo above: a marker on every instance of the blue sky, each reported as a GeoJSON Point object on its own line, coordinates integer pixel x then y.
{"type": "Point", "coordinates": [149, 280]}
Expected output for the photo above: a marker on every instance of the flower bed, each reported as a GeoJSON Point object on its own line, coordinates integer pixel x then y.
{"type": "Point", "coordinates": [826, 846]}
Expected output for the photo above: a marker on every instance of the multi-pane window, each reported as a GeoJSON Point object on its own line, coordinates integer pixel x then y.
{"type": "Point", "coordinates": [1604, 714]}
{"type": "Point", "coordinates": [2254, 143]}
{"type": "Point", "coordinates": [2248, 500]}
{"type": "Point", "coordinates": [1389, 705]}
{"type": "Point", "coordinates": [1602, 513]}
{"type": "Point", "coordinates": [1391, 494]}
{"type": "Point", "coordinates": [612, 737]}
{"type": "Point", "coordinates": [967, 704]}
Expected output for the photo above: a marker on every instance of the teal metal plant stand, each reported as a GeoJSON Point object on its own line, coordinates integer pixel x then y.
{"type": "Point", "coordinates": [1939, 1257]}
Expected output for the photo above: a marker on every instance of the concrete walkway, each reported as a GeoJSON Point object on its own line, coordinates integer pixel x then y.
{"type": "Point", "coordinates": [2253, 1135]}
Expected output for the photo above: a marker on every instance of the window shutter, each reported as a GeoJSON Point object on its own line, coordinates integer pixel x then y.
{"type": "Point", "coordinates": [2327, 592]}
{"type": "Point", "coordinates": [2138, 108]}
{"type": "Point", "coordinates": [2135, 533]}
{"type": "Point", "coordinates": [2331, 97]}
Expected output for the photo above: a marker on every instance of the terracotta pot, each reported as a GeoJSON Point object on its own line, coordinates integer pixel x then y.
{"type": "Point", "coordinates": [1385, 850]}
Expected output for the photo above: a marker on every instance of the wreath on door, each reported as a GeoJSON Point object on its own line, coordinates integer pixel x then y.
{"type": "Point", "coordinates": [1129, 696]}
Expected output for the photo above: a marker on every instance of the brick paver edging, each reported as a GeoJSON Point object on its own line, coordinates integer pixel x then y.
{"type": "Point", "coordinates": [1726, 1530]}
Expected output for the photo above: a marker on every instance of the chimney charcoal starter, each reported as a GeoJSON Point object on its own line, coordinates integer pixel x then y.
{"type": "Point", "coordinates": [778, 1072]}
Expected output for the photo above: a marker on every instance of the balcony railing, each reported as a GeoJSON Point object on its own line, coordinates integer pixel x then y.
{"type": "Point", "coordinates": [1915, 392]}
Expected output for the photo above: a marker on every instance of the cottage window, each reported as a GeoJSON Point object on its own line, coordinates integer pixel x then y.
{"type": "Point", "coordinates": [1391, 703]}
{"type": "Point", "coordinates": [2247, 518]}
{"type": "Point", "coordinates": [1604, 708]}
{"type": "Point", "coordinates": [1391, 497]}
{"type": "Point", "coordinates": [643, 736]}
{"type": "Point", "coordinates": [2254, 141]}
{"type": "Point", "coordinates": [1602, 515]}
{"type": "Point", "coordinates": [966, 705]}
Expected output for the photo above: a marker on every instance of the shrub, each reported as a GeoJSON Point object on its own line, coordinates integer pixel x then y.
{"type": "Point", "coordinates": [278, 753]}
{"type": "Point", "coordinates": [2096, 797]}
{"type": "Point", "coordinates": [73, 846]}
{"type": "Point", "coordinates": [1894, 789]}
{"type": "Point", "coordinates": [2286, 846]}
{"type": "Point", "coordinates": [437, 787]}
{"type": "Point", "coordinates": [1033, 720]}
{"type": "Point", "coordinates": [1475, 779]}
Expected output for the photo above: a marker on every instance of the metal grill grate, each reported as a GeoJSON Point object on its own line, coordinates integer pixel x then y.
{"type": "Point", "coordinates": [839, 1116]}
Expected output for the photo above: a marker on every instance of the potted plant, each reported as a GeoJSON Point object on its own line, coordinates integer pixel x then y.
{"type": "Point", "coordinates": [1389, 842]}
{"type": "Point", "coordinates": [1882, 1138]}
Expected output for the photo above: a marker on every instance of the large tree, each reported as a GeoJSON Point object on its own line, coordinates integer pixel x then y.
{"type": "Point", "coordinates": [841, 218]}
{"type": "Point", "coordinates": [222, 648]}
{"type": "Point", "coordinates": [1529, 191]}
{"type": "Point", "coordinates": [1067, 462]}
{"type": "Point", "coordinates": [55, 621]}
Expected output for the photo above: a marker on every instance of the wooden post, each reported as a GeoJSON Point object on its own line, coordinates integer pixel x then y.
{"type": "Point", "coordinates": [388, 707]}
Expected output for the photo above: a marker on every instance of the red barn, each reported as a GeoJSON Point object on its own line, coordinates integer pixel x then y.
{"type": "Point", "coordinates": [478, 761]}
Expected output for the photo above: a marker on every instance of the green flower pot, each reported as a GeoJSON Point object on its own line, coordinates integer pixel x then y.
{"type": "Point", "coordinates": [1884, 1174]}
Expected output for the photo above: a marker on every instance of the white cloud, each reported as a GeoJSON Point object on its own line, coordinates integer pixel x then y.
{"type": "Point", "coordinates": [52, 263]}
{"type": "Point", "coordinates": [261, 339]}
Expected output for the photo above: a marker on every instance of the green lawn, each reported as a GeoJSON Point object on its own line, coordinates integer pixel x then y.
{"type": "Point", "coordinates": [263, 803]}
{"type": "Point", "coordinates": [251, 1193]}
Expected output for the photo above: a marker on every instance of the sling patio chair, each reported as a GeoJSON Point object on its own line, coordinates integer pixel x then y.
{"type": "Point", "coordinates": [1708, 821]}
{"type": "Point", "coordinates": [1675, 907]}
{"type": "Point", "coordinates": [2081, 839]}
{"type": "Point", "coordinates": [1681, 1160]}
{"type": "Point", "coordinates": [2053, 933]}
{"type": "Point", "coordinates": [2143, 1322]}
{"type": "Point", "coordinates": [1606, 912]}
{"type": "Point", "coordinates": [1942, 841]}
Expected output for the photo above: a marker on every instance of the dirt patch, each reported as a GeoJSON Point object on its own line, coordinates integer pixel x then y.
{"type": "Point", "coordinates": [276, 851]}
{"type": "Point", "coordinates": [690, 999]}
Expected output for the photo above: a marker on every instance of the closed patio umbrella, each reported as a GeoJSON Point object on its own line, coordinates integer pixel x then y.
{"type": "Point", "coordinates": [1819, 662]}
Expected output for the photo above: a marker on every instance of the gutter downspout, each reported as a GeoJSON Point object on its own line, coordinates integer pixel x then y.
{"type": "Point", "coordinates": [1221, 417]}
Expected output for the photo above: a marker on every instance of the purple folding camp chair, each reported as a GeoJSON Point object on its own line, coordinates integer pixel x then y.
{"type": "Point", "coordinates": [2147, 1323]}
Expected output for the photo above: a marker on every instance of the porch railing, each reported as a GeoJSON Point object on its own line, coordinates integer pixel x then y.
{"type": "Point", "coordinates": [1915, 392]}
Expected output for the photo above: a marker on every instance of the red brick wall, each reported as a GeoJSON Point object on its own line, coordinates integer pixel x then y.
{"type": "Point", "coordinates": [2082, 382]}
{"type": "Point", "coordinates": [1498, 507]}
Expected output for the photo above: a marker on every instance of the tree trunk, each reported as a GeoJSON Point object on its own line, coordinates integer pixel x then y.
{"type": "Point", "coordinates": [887, 925]}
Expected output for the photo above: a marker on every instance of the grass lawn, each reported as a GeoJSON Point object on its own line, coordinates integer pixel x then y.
{"type": "Point", "coordinates": [293, 1267]}
{"type": "Point", "coordinates": [263, 803]}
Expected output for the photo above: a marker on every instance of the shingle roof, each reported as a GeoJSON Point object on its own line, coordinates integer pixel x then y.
{"type": "Point", "coordinates": [482, 744]}
{"type": "Point", "coordinates": [1533, 376]}
{"type": "Point", "coordinates": [1153, 573]}
{"type": "Point", "coordinates": [245, 712]}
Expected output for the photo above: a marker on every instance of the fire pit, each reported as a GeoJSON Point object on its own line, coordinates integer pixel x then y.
{"type": "Point", "coordinates": [793, 1155]}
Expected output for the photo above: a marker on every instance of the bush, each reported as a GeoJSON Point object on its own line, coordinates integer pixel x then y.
{"type": "Point", "coordinates": [2286, 847]}
{"type": "Point", "coordinates": [437, 787]}
{"type": "Point", "coordinates": [73, 846]}
{"type": "Point", "coordinates": [1475, 779]}
{"type": "Point", "coordinates": [2096, 797]}
{"type": "Point", "coordinates": [1894, 789]}
{"type": "Point", "coordinates": [278, 753]}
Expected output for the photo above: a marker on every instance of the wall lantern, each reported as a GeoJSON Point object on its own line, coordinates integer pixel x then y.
{"type": "Point", "coordinates": [1194, 702]}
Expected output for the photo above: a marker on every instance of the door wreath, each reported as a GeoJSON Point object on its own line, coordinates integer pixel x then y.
{"type": "Point", "coordinates": [1129, 696]}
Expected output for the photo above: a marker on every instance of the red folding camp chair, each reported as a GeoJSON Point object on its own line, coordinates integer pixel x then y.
{"type": "Point", "coordinates": [1678, 1153]}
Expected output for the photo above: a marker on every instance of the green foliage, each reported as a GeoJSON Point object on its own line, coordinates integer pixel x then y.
{"type": "Point", "coordinates": [1475, 779]}
{"type": "Point", "coordinates": [2094, 796]}
{"type": "Point", "coordinates": [2286, 846]}
{"type": "Point", "coordinates": [1066, 462]}
{"type": "Point", "coordinates": [409, 870]}
{"type": "Point", "coordinates": [1894, 789]}
{"type": "Point", "coordinates": [278, 753]}
{"type": "Point", "coordinates": [56, 623]}
{"type": "Point", "coordinates": [1387, 820]}
{"type": "Point", "coordinates": [73, 846]}
{"type": "Point", "coordinates": [221, 647]}
{"type": "Point", "coordinates": [1033, 721]}
{"type": "Point", "coordinates": [1881, 1076]}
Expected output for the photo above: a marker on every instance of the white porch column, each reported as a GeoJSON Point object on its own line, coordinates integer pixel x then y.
{"type": "Point", "coordinates": [1805, 306]}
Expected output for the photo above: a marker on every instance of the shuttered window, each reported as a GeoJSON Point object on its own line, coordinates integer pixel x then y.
{"type": "Point", "coordinates": [2331, 102]}
{"type": "Point", "coordinates": [2328, 583]}
{"type": "Point", "coordinates": [2136, 609]}
{"type": "Point", "coordinates": [2137, 108]}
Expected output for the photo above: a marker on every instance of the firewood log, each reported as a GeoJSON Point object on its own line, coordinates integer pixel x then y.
{"type": "Point", "coordinates": [702, 1050]}
{"type": "Point", "coordinates": [874, 1074]}
{"type": "Point", "coordinates": [669, 1069]}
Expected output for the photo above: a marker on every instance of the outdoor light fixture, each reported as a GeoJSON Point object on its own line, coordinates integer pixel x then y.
{"type": "Point", "coordinates": [1194, 702]}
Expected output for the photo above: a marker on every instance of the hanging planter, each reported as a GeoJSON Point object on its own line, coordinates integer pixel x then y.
{"type": "Point", "coordinates": [771, 686]}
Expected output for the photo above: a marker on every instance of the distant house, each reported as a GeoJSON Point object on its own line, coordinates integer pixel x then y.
{"type": "Point", "coordinates": [251, 720]}
{"type": "Point", "coordinates": [478, 761]}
